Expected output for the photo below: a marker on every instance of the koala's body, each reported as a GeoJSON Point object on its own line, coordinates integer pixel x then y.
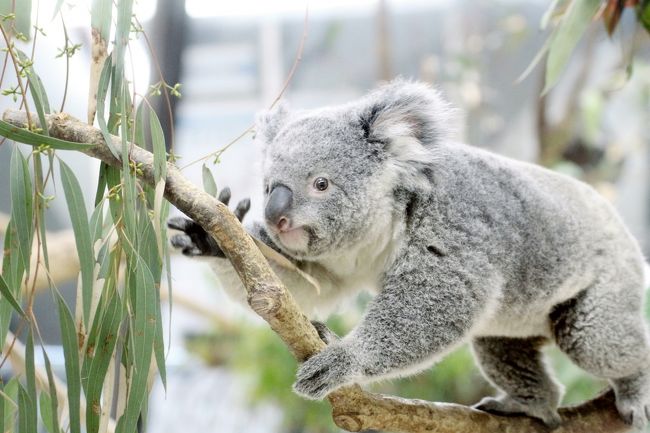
{"type": "Point", "coordinates": [459, 244]}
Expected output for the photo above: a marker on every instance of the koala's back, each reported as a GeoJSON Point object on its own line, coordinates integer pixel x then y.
{"type": "Point", "coordinates": [546, 235]}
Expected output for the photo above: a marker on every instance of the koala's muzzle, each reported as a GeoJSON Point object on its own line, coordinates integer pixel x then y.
{"type": "Point", "coordinates": [278, 206]}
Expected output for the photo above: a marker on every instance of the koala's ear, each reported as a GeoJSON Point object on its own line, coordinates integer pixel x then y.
{"type": "Point", "coordinates": [404, 109]}
{"type": "Point", "coordinates": [269, 122]}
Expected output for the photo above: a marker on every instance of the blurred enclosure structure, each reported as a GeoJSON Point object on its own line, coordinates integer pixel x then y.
{"type": "Point", "coordinates": [228, 372]}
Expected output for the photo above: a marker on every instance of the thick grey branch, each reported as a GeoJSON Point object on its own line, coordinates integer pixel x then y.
{"type": "Point", "coordinates": [353, 409]}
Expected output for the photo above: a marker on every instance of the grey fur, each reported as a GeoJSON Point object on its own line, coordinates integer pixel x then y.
{"type": "Point", "coordinates": [461, 245]}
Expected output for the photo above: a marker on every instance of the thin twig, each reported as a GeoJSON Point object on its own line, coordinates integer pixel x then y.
{"type": "Point", "coordinates": [285, 86]}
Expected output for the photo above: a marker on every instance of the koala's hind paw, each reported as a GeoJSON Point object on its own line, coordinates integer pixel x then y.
{"type": "Point", "coordinates": [508, 406]}
{"type": "Point", "coordinates": [324, 372]}
{"type": "Point", "coordinates": [635, 412]}
{"type": "Point", "coordinates": [633, 399]}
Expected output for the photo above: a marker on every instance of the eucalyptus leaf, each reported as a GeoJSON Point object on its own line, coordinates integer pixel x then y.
{"type": "Point", "coordinates": [22, 206]}
{"type": "Point", "coordinates": [25, 136]}
{"type": "Point", "coordinates": [73, 378]}
{"type": "Point", "coordinates": [209, 185]}
{"type": "Point", "coordinates": [571, 28]}
{"type": "Point", "coordinates": [81, 229]}
{"type": "Point", "coordinates": [6, 294]}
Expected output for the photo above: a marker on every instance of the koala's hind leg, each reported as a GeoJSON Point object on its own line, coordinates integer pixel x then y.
{"type": "Point", "coordinates": [516, 367]}
{"type": "Point", "coordinates": [603, 332]}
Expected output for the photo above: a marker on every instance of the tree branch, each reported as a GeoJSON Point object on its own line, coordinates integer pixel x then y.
{"type": "Point", "coordinates": [353, 409]}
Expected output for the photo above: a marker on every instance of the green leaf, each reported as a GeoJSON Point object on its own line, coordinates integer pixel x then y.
{"type": "Point", "coordinates": [98, 364]}
{"type": "Point", "coordinates": [53, 399]}
{"type": "Point", "coordinates": [159, 150]}
{"type": "Point", "coordinates": [22, 206]}
{"type": "Point", "coordinates": [45, 406]}
{"type": "Point", "coordinates": [23, 11]}
{"type": "Point", "coordinates": [39, 96]}
{"type": "Point", "coordinates": [81, 229]}
{"type": "Point", "coordinates": [574, 23]}
{"type": "Point", "coordinates": [22, 135]}
{"type": "Point", "coordinates": [209, 185]}
{"type": "Point", "coordinates": [12, 271]}
{"type": "Point", "coordinates": [102, 89]}
{"type": "Point", "coordinates": [6, 294]}
{"type": "Point", "coordinates": [73, 378]}
{"type": "Point", "coordinates": [143, 331]}
{"type": "Point", "coordinates": [100, 17]}
{"type": "Point", "coordinates": [30, 378]}
{"type": "Point", "coordinates": [9, 403]}
{"type": "Point", "coordinates": [57, 8]}
{"type": "Point", "coordinates": [26, 412]}
{"type": "Point", "coordinates": [122, 32]}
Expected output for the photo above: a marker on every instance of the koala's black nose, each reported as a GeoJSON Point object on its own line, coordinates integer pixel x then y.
{"type": "Point", "coordinates": [278, 205]}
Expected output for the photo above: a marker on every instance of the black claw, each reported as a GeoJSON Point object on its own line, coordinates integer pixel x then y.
{"type": "Point", "coordinates": [242, 209]}
{"type": "Point", "coordinates": [324, 332]}
{"type": "Point", "coordinates": [179, 223]}
{"type": "Point", "coordinates": [192, 251]}
{"type": "Point", "coordinates": [224, 196]}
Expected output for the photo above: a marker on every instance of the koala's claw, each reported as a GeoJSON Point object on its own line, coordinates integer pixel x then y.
{"type": "Point", "coordinates": [242, 209]}
{"type": "Point", "coordinates": [194, 241]}
{"type": "Point", "coordinates": [508, 406]}
{"type": "Point", "coordinates": [224, 196]}
{"type": "Point", "coordinates": [634, 413]}
{"type": "Point", "coordinates": [323, 373]}
{"type": "Point", "coordinates": [324, 332]}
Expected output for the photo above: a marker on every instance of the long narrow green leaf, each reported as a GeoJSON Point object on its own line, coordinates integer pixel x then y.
{"type": "Point", "coordinates": [69, 341]}
{"type": "Point", "coordinates": [12, 272]}
{"type": "Point", "coordinates": [103, 351]}
{"type": "Point", "coordinates": [159, 149]}
{"type": "Point", "coordinates": [45, 408]}
{"type": "Point", "coordinates": [143, 332]}
{"type": "Point", "coordinates": [2, 409]}
{"type": "Point", "coordinates": [57, 8]}
{"type": "Point", "coordinates": [122, 32]}
{"type": "Point", "coordinates": [22, 135]}
{"type": "Point", "coordinates": [26, 412]}
{"type": "Point", "coordinates": [574, 23]}
{"type": "Point", "coordinates": [53, 399]}
{"type": "Point", "coordinates": [100, 17]}
{"type": "Point", "coordinates": [79, 218]}
{"type": "Point", "coordinates": [149, 252]}
{"type": "Point", "coordinates": [101, 185]}
{"type": "Point", "coordinates": [30, 378]}
{"type": "Point", "coordinates": [9, 403]}
{"type": "Point", "coordinates": [39, 96]}
{"type": "Point", "coordinates": [23, 11]}
{"type": "Point", "coordinates": [41, 204]}
{"type": "Point", "coordinates": [6, 294]}
{"type": "Point", "coordinates": [102, 89]}
{"type": "Point", "coordinates": [22, 206]}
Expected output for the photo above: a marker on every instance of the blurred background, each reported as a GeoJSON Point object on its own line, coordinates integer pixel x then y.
{"type": "Point", "coordinates": [227, 371]}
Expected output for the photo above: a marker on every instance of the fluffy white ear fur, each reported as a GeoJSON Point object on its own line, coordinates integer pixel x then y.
{"type": "Point", "coordinates": [409, 118]}
{"type": "Point", "coordinates": [269, 122]}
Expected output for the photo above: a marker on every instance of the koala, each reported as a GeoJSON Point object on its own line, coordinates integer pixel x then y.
{"type": "Point", "coordinates": [458, 244]}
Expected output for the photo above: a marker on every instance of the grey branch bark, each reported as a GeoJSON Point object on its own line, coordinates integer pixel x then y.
{"type": "Point", "coordinates": [352, 408]}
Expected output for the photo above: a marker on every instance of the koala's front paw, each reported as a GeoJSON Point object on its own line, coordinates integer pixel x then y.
{"type": "Point", "coordinates": [325, 372]}
{"type": "Point", "coordinates": [194, 241]}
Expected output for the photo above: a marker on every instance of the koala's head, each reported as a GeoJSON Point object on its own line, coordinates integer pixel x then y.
{"type": "Point", "coordinates": [330, 174]}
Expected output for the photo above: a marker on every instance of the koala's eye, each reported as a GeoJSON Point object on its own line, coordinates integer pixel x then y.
{"type": "Point", "coordinates": [321, 184]}
{"type": "Point", "coordinates": [266, 188]}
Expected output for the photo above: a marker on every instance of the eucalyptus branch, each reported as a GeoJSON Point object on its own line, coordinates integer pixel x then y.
{"type": "Point", "coordinates": [353, 409]}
